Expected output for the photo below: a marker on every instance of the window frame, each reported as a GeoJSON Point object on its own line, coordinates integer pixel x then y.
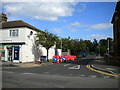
{"type": "Point", "coordinates": [14, 33]}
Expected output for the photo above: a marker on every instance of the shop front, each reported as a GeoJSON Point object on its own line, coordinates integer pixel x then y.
{"type": "Point", "coordinates": [13, 53]}
{"type": "Point", "coordinates": [2, 52]}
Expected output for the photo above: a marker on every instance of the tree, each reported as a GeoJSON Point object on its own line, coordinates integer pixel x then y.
{"type": "Point", "coordinates": [95, 46]}
{"type": "Point", "coordinates": [74, 46]}
{"type": "Point", "coordinates": [46, 39]}
{"type": "Point", "coordinates": [88, 46]}
{"type": "Point", "coordinates": [104, 43]}
{"type": "Point", "coordinates": [65, 44]}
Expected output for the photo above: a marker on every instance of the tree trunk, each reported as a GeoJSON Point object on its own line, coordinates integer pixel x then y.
{"type": "Point", "coordinates": [47, 54]}
{"type": "Point", "coordinates": [56, 53]}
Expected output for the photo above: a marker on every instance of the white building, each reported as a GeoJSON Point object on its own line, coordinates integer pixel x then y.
{"type": "Point", "coordinates": [18, 39]}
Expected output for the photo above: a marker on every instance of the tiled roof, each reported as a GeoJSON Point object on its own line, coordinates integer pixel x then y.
{"type": "Point", "coordinates": [16, 24]}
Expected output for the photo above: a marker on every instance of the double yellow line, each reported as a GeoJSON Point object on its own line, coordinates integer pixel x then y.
{"type": "Point", "coordinates": [88, 66]}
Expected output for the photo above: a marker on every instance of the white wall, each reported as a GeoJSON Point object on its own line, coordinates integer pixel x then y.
{"type": "Point", "coordinates": [32, 52]}
{"type": "Point", "coordinates": [28, 51]}
{"type": "Point", "coordinates": [28, 48]}
{"type": "Point", "coordinates": [5, 37]}
{"type": "Point", "coordinates": [59, 52]}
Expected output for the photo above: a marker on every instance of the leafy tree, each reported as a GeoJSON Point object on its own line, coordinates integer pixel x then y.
{"type": "Point", "coordinates": [46, 39]}
{"type": "Point", "coordinates": [89, 45]}
{"type": "Point", "coordinates": [74, 46]}
{"type": "Point", "coordinates": [95, 45]}
{"type": "Point", "coordinates": [65, 44]}
{"type": "Point", "coordinates": [104, 45]}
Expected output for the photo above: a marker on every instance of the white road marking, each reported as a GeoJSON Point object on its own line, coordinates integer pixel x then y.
{"type": "Point", "coordinates": [66, 65]}
{"type": "Point", "coordinates": [46, 72]}
{"type": "Point", "coordinates": [8, 71]}
{"type": "Point", "coordinates": [82, 75]}
{"type": "Point", "coordinates": [75, 67]}
{"type": "Point", "coordinates": [105, 76]}
{"type": "Point", "coordinates": [26, 73]}
{"type": "Point", "coordinates": [110, 68]}
{"type": "Point", "coordinates": [92, 75]}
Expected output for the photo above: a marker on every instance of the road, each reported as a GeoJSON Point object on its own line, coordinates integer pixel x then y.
{"type": "Point", "coordinates": [59, 75]}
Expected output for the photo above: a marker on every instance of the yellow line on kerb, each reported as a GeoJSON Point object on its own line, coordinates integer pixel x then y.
{"type": "Point", "coordinates": [88, 66]}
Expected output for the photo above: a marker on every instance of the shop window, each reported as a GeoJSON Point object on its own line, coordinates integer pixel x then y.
{"type": "Point", "coordinates": [13, 33]}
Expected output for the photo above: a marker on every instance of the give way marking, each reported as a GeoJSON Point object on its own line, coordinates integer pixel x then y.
{"type": "Point", "coordinates": [66, 65]}
{"type": "Point", "coordinates": [75, 67]}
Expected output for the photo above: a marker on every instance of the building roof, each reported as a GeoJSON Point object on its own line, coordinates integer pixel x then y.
{"type": "Point", "coordinates": [16, 24]}
{"type": "Point", "coordinates": [117, 6]}
{"type": "Point", "coordinates": [117, 11]}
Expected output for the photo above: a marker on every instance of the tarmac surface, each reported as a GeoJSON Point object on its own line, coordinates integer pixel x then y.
{"type": "Point", "coordinates": [73, 74]}
{"type": "Point", "coordinates": [97, 63]}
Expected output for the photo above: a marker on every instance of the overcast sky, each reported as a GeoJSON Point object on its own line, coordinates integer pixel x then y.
{"type": "Point", "coordinates": [79, 20]}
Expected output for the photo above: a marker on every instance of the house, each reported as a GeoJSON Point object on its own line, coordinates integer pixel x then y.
{"type": "Point", "coordinates": [17, 42]}
{"type": "Point", "coordinates": [116, 30]}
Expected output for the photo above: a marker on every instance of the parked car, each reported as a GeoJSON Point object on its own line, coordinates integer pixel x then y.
{"type": "Point", "coordinates": [82, 54]}
{"type": "Point", "coordinates": [41, 59]}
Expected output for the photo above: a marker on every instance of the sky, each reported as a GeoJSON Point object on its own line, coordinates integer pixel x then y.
{"type": "Point", "coordinates": [79, 20]}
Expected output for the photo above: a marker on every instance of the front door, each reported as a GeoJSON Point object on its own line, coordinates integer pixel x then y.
{"type": "Point", "coordinates": [16, 52]}
{"type": "Point", "coordinates": [10, 54]}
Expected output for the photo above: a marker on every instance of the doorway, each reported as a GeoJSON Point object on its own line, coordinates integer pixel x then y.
{"type": "Point", "coordinates": [16, 52]}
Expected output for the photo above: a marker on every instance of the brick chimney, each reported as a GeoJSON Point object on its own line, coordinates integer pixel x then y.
{"type": "Point", "coordinates": [3, 17]}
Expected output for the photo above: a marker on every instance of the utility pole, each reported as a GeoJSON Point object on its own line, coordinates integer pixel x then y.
{"type": "Point", "coordinates": [61, 46]}
{"type": "Point", "coordinates": [99, 48]}
{"type": "Point", "coordinates": [108, 46]}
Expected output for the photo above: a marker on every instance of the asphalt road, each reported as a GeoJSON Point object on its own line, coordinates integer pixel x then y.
{"type": "Point", "coordinates": [58, 75]}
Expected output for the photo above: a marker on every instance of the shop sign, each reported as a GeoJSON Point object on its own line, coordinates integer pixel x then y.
{"type": "Point", "coordinates": [2, 48]}
{"type": "Point", "coordinates": [9, 47]}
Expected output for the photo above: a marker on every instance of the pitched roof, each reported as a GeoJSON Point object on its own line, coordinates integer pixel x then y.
{"type": "Point", "coordinates": [16, 24]}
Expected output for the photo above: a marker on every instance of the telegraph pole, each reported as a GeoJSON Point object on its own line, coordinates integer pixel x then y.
{"type": "Point", "coordinates": [99, 48]}
{"type": "Point", "coordinates": [61, 46]}
{"type": "Point", "coordinates": [108, 46]}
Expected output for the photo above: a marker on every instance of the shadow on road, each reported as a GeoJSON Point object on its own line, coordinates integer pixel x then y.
{"type": "Point", "coordinates": [83, 61]}
{"type": "Point", "coordinates": [80, 61]}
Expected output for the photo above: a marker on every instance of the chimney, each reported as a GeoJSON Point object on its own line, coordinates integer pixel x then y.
{"type": "Point", "coordinates": [3, 17]}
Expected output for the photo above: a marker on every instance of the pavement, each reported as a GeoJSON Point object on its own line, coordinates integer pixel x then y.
{"type": "Point", "coordinates": [23, 65]}
{"type": "Point", "coordinates": [100, 64]}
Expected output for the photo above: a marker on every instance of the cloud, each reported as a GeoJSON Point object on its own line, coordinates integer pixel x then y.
{"type": "Point", "coordinates": [76, 24]}
{"type": "Point", "coordinates": [89, 27]}
{"type": "Point", "coordinates": [101, 26]}
{"type": "Point", "coordinates": [57, 30]}
{"type": "Point", "coordinates": [82, 8]}
{"type": "Point", "coordinates": [41, 10]}
{"type": "Point", "coordinates": [73, 30]}
{"type": "Point", "coordinates": [39, 1]}
{"type": "Point", "coordinates": [96, 36]}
